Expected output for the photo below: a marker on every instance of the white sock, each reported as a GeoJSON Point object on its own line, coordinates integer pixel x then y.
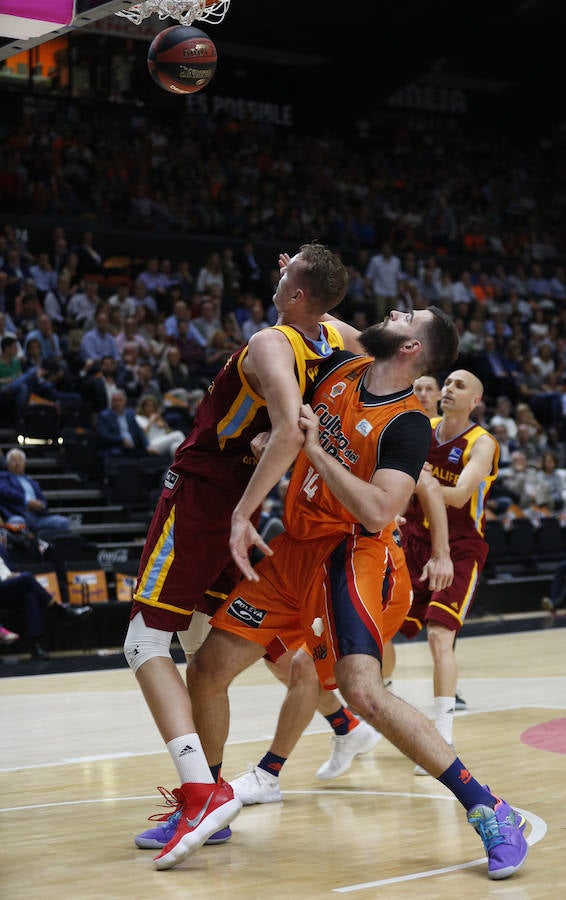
{"type": "Point", "coordinates": [444, 716]}
{"type": "Point", "coordinates": [187, 754]}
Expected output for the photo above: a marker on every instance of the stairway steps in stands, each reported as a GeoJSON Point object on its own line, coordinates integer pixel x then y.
{"type": "Point", "coordinates": [74, 495]}
{"type": "Point", "coordinates": [104, 528]}
{"type": "Point", "coordinates": [80, 515]}
{"type": "Point", "coordinates": [43, 464]}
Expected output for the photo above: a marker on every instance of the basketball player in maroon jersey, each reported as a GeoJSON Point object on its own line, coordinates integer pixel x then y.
{"type": "Point", "coordinates": [464, 459]}
{"type": "Point", "coordinates": [186, 563]}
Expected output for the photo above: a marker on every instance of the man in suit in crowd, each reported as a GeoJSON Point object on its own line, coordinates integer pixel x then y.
{"type": "Point", "coordinates": [118, 431]}
{"type": "Point", "coordinates": [22, 501]}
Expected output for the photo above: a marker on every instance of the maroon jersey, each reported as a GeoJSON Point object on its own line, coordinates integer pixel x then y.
{"type": "Point", "coordinates": [448, 460]}
{"type": "Point", "coordinates": [232, 413]}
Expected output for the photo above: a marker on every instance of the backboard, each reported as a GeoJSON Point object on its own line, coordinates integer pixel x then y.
{"type": "Point", "coordinates": [25, 23]}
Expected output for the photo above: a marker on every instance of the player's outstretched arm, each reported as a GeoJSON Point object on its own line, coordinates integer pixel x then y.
{"type": "Point", "coordinates": [439, 570]}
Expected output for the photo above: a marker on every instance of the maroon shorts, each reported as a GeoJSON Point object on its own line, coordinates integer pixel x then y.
{"type": "Point", "coordinates": [450, 606]}
{"type": "Point", "coordinates": [186, 562]}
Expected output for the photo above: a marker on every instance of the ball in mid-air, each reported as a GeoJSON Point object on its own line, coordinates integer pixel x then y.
{"type": "Point", "coordinates": [182, 59]}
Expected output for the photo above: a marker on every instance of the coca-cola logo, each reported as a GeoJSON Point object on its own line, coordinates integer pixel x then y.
{"type": "Point", "coordinates": [108, 558]}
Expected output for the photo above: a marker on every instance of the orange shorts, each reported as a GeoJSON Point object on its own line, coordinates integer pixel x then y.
{"type": "Point", "coordinates": [325, 593]}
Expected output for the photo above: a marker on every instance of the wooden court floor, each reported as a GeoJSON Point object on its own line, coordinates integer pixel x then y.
{"type": "Point", "coordinates": [80, 759]}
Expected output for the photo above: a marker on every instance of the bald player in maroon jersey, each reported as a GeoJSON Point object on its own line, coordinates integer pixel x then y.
{"type": "Point", "coordinates": [463, 457]}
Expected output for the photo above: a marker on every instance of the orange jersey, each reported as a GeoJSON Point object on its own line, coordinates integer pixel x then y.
{"type": "Point", "coordinates": [353, 427]}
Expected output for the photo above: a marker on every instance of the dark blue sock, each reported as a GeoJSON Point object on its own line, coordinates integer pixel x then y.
{"type": "Point", "coordinates": [215, 772]}
{"type": "Point", "coordinates": [342, 721]}
{"type": "Point", "coordinates": [465, 788]}
{"type": "Point", "coordinates": [272, 763]}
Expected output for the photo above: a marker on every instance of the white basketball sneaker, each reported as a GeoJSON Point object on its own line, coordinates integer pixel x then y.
{"type": "Point", "coordinates": [256, 786]}
{"type": "Point", "coordinates": [345, 748]}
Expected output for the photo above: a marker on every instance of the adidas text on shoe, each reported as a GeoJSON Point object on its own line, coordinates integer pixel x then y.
{"type": "Point", "coordinates": [205, 809]}
{"type": "Point", "coordinates": [256, 786]}
{"type": "Point", "coordinates": [345, 748]}
{"type": "Point", "coordinates": [501, 830]}
{"type": "Point", "coordinates": [156, 838]}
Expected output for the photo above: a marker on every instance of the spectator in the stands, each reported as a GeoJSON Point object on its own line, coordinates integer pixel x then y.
{"type": "Point", "coordinates": [15, 383]}
{"type": "Point", "coordinates": [504, 416]}
{"type": "Point", "coordinates": [499, 430]}
{"type": "Point", "coordinates": [171, 324]}
{"type": "Point", "coordinates": [155, 282]}
{"type": "Point", "coordinates": [118, 431]}
{"type": "Point", "coordinates": [172, 372]}
{"type": "Point", "coordinates": [24, 597]}
{"type": "Point", "coordinates": [256, 322]}
{"type": "Point", "coordinates": [147, 383]}
{"type": "Point", "coordinates": [192, 347]}
{"type": "Point", "coordinates": [56, 303]}
{"type": "Point", "coordinates": [493, 370]}
{"type": "Point", "coordinates": [22, 501]}
{"type": "Point", "coordinates": [130, 334]}
{"type": "Point", "coordinates": [521, 490]}
{"type": "Point", "coordinates": [98, 341]}
{"type": "Point", "coordinates": [90, 259]}
{"type": "Point", "coordinates": [48, 339]}
{"type": "Point", "coordinates": [142, 297]}
{"type": "Point", "coordinates": [554, 479]}
{"type": "Point", "coordinates": [44, 275]}
{"type": "Point", "coordinates": [123, 300]}
{"type": "Point", "coordinates": [27, 309]}
{"type": "Point", "coordinates": [83, 304]}
{"type": "Point", "coordinates": [208, 321]}
{"type": "Point", "coordinates": [543, 360]}
{"type": "Point", "coordinates": [528, 443]}
{"type": "Point", "coordinates": [251, 275]}
{"type": "Point", "coordinates": [554, 445]}
{"type": "Point", "coordinates": [160, 436]}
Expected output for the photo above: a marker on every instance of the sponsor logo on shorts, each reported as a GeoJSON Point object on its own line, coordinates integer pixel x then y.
{"type": "Point", "coordinates": [319, 652]}
{"type": "Point", "coordinates": [249, 615]}
{"type": "Point", "coordinates": [171, 479]}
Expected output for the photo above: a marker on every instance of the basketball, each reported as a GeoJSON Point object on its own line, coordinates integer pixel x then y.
{"type": "Point", "coordinates": [182, 59]}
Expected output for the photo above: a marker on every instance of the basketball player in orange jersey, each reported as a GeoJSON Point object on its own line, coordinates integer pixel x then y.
{"type": "Point", "coordinates": [366, 440]}
{"type": "Point", "coordinates": [464, 459]}
{"type": "Point", "coordinates": [185, 563]}
{"type": "Point", "coordinates": [427, 389]}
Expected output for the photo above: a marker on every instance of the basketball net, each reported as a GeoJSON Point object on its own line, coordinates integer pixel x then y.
{"type": "Point", "coordinates": [184, 11]}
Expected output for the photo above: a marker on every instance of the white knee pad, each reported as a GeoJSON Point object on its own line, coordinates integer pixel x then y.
{"type": "Point", "coordinates": [143, 643]}
{"type": "Point", "coordinates": [191, 639]}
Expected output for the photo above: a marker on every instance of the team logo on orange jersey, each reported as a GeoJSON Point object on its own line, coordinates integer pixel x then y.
{"type": "Point", "coordinates": [337, 389]}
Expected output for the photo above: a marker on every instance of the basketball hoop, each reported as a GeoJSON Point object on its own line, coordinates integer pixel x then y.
{"type": "Point", "coordinates": [184, 11]}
